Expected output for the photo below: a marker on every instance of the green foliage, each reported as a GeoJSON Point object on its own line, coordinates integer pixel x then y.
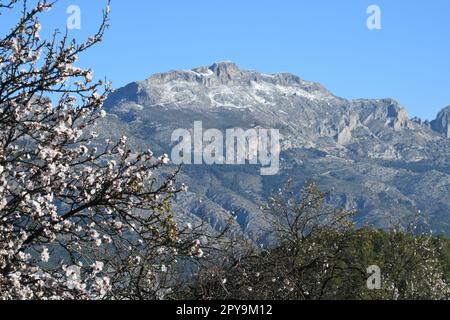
{"type": "Point", "coordinates": [319, 254]}
{"type": "Point", "coordinates": [444, 244]}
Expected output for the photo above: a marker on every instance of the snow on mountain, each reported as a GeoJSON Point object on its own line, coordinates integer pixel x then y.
{"type": "Point", "coordinates": [369, 153]}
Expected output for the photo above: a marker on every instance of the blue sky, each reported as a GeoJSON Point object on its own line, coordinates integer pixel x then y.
{"type": "Point", "coordinates": [323, 40]}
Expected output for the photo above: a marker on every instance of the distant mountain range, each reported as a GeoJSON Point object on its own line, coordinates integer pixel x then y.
{"type": "Point", "coordinates": [368, 153]}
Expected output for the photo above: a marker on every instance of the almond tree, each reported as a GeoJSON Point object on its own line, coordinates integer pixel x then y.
{"type": "Point", "coordinates": [79, 218]}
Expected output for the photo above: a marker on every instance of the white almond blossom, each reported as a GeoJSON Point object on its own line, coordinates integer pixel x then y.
{"type": "Point", "coordinates": [45, 256]}
{"type": "Point", "coordinates": [61, 188]}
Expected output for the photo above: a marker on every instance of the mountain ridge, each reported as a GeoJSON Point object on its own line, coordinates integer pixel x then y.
{"type": "Point", "coordinates": [367, 152]}
{"type": "Point", "coordinates": [228, 71]}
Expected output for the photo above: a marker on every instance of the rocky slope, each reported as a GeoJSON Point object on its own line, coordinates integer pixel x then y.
{"type": "Point", "coordinates": [368, 153]}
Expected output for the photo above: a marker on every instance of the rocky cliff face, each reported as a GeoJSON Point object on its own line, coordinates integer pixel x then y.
{"type": "Point", "coordinates": [442, 122]}
{"type": "Point", "coordinates": [368, 153]}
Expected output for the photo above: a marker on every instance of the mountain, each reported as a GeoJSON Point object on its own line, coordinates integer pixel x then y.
{"type": "Point", "coordinates": [368, 153]}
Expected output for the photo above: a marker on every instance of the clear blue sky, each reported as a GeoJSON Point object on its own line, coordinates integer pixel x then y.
{"type": "Point", "coordinates": [321, 40]}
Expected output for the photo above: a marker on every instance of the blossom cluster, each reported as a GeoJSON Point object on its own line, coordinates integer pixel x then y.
{"type": "Point", "coordinates": [74, 210]}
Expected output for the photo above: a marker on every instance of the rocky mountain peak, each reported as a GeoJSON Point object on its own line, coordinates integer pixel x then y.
{"type": "Point", "coordinates": [442, 122]}
{"type": "Point", "coordinates": [223, 85]}
{"type": "Point", "coordinates": [226, 71]}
